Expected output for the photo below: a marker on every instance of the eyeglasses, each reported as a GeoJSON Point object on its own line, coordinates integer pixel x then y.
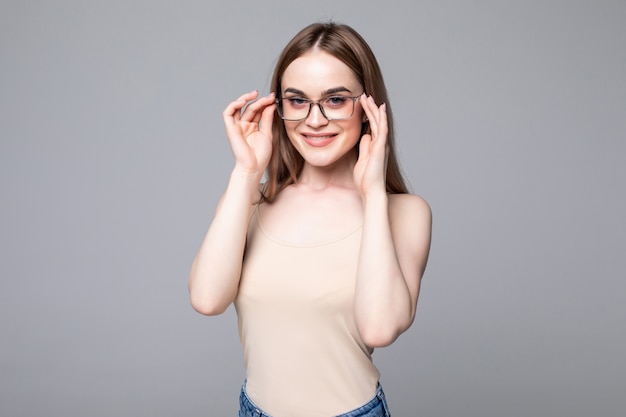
{"type": "Point", "coordinates": [294, 109]}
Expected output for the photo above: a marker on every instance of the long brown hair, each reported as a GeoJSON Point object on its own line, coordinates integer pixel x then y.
{"type": "Point", "coordinates": [345, 44]}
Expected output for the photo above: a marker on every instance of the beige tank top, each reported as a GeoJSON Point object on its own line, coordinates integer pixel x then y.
{"type": "Point", "coordinates": [303, 354]}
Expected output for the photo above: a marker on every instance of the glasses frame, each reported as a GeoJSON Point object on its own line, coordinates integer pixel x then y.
{"type": "Point", "coordinates": [318, 104]}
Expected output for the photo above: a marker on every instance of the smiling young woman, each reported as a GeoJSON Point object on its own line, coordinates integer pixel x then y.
{"type": "Point", "coordinates": [324, 260]}
{"type": "Point", "coordinates": [318, 138]}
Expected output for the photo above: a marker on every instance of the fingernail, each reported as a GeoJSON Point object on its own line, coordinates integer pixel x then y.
{"type": "Point", "coordinates": [383, 107]}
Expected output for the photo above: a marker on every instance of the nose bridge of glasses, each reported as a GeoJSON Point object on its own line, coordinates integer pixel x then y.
{"type": "Point", "coordinates": [319, 104]}
{"type": "Point", "coordinates": [316, 116]}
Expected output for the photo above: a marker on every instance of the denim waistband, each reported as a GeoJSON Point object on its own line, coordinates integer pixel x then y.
{"type": "Point", "coordinates": [376, 407]}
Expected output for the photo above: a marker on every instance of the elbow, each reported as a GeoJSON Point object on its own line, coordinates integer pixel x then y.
{"type": "Point", "coordinates": [208, 308]}
{"type": "Point", "coordinates": [379, 338]}
{"type": "Point", "coordinates": [207, 299]}
{"type": "Point", "coordinates": [383, 333]}
{"type": "Point", "coordinates": [204, 304]}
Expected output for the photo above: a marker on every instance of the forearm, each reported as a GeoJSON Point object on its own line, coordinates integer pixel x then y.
{"type": "Point", "coordinates": [215, 272]}
{"type": "Point", "coordinates": [383, 303]}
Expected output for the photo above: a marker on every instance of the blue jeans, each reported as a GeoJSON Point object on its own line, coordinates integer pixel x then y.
{"type": "Point", "coordinates": [376, 407]}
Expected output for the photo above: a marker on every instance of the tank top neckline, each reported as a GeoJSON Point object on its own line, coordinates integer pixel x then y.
{"type": "Point", "coordinates": [285, 243]}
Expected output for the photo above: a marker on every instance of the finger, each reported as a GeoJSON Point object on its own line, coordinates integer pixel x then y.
{"type": "Point", "coordinates": [267, 118]}
{"type": "Point", "coordinates": [372, 113]}
{"type": "Point", "coordinates": [379, 126]}
{"type": "Point", "coordinates": [382, 126]}
{"type": "Point", "coordinates": [233, 110]}
{"type": "Point", "coordinates": [364, 146]}
{"type": "Point", "coordinates": [365, 104]}
{"type": "Point", "coordinates": [253, 111]}
{"type": "Point", "coordinates": [369, 117]}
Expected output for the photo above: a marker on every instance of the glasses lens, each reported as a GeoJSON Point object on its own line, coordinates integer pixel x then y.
{"type": "Point", "coordinates": [334, 108]}
{"type": "Point", "coordinates": [294, 108]}
{"type": "Point", "coordinates": [338, 107]}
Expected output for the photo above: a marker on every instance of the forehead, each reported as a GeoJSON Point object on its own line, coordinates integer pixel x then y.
{"type": "Point", "coordinates": [317, 71]}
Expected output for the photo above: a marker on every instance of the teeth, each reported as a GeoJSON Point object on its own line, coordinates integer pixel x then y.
{"type": "Point", "coordinates": [319, 137]}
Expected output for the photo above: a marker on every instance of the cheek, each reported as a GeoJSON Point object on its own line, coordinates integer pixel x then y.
{"type": "Point", "coordinates": [356, 128]}
{"type": "Point", "coordinates": [290, 127]}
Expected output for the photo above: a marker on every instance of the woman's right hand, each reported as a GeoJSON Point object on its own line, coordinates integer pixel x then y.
{"type": "Point", "coordinates": [249, 130]}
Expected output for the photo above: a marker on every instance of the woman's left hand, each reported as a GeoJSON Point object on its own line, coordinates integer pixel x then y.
{"type": "Point", "coordinates": [371, 167]}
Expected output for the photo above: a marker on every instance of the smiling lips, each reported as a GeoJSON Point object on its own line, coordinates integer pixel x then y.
{"type": "Point", "coordinates": [318, 139]}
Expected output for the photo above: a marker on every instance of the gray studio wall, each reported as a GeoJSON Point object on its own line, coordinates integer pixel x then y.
{"type": "Point", "coordinates": [511, 123]}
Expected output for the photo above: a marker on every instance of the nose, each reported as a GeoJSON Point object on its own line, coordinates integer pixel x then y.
{"type": "Point", "coordinates": [316, 118]}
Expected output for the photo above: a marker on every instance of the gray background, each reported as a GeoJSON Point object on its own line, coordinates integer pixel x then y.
{"type": "Point", "coordinates": [511, 119]}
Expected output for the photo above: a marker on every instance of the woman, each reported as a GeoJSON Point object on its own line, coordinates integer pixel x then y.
{"type": "Point", "coordinates": [324, 260]}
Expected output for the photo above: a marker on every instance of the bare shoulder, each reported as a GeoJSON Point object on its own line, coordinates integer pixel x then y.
{"type": "Point", "coordinates": [411, 227]}
{"type": "Point", "coordinates": [411, 223]}
{"type": "Point", "coordinates": [409, 209]}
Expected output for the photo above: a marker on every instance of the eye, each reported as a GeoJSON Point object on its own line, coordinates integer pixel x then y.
{"type": "Point", "coordinates": [336, 101]}
{"type": "Point", "coordinates": [297, 102]}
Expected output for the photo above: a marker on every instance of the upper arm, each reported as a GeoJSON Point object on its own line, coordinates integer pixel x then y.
{"type": "Point", "coordinates": [411, 224]}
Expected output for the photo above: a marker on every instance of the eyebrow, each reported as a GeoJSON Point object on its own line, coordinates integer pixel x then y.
{"type": "Point", "coordinates": [324, 93]}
